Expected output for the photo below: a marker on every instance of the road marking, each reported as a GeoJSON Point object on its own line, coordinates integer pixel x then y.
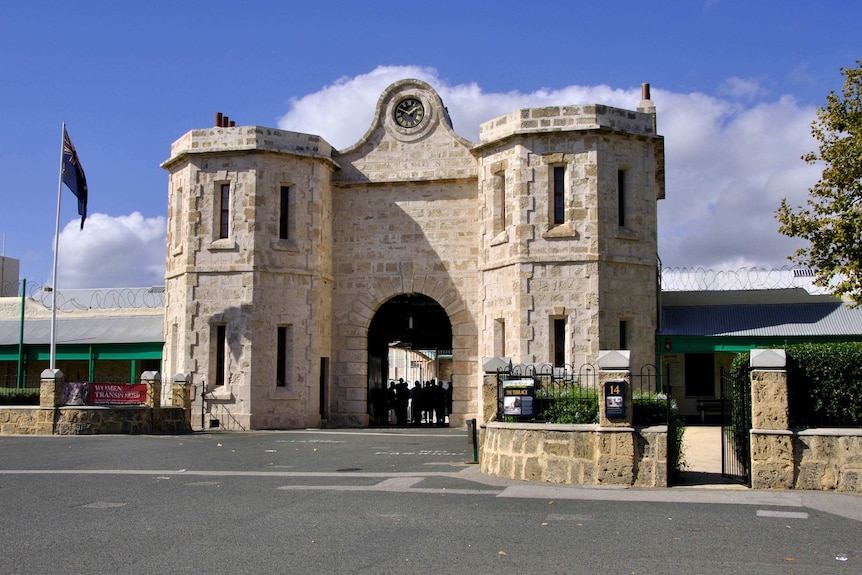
{"type": "Point", "coordinates": [782, 514]}
{"type": "Point", "coordinates": [173, 472]}
{"type": "Point", "coordinates": [391, 486]}
{"type": "Point", "coordinates": [102, 505]}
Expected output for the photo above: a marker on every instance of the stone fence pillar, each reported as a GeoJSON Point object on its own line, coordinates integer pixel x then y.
{"type": "Point", "coordinates": [615, 445]}
{"type": "Point", "coordinates": [771, 437]}
{"type": "Point", "coordinates": [51, 388]}
{"type": "Point", "coordinates": [154, 388]}
{"type": "Point", "coordinates": [181, 394]}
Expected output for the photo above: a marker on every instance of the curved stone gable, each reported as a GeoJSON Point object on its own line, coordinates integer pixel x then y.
{"type": "Point", "coordinates": [391, 153]}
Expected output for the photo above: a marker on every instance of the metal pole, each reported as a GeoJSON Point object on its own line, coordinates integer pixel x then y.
{"type": "Point", "coordinates": [20, 381]}
{"type": "Point", "coordinates": [53, 353]}
{"type": "Point", "coordinates": [475, 442]}
{"type": "Point", "coordinates": [203, 398]}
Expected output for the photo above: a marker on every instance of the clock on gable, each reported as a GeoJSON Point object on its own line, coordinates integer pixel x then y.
{"type": "Point", "coordinates": [409, 113]}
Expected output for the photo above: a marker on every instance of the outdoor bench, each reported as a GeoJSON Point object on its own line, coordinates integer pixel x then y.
{"type": "Point", "coordinates": [709, 406]}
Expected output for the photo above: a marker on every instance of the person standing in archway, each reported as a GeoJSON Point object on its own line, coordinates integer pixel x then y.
{"type": "Point", "coordinates": [402, 400]}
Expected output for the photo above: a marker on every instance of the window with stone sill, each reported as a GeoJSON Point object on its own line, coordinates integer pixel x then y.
{"type": "Point", "coordinates": [558, 195]}
{"type": "Point", "coordinates": [226, 244]}
{"type": "Point", "coordinates": [558, 341]}
{"type": "Point", "coordinates": [224, 199]}
{"type": "Point", "coordinates": [283, 355]}
{"type": "Point", "coordinates": [219, 333]}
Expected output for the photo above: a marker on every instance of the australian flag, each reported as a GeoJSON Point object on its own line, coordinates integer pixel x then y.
{"type": "Point", "coordinates": [73, 176]}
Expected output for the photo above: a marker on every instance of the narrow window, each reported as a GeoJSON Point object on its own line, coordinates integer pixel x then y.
{"type": "Point", "coordinates": [621, 198]}
{"type": "Point", "coordinates": [284, 214]}
{"type": "Point", "coordinates": [177, 216]}
{"type": "Point", "coordinates": [324, 378]}
{"type": "Point", "coordinates": [559, 342]}
{"type": "Point", "coordinates": [224, 214]}
{"type": "Point", "coordinates": [559, 194]}
{"type": "Point", "coordinates": [284, 343]}
{"type": "Point", "coordinates": [220, 366]}
{"type": "Point", "coordinates": [500, 338]}
{"type": "Point", "coordinates": [624, 344]}
{"type": "Point", "coordinates": [499, 202]}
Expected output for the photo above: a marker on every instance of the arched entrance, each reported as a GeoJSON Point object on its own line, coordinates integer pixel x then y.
{"type": "Point", "coordinates": [410, 338]}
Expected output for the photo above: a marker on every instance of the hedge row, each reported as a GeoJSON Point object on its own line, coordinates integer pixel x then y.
{"type": "Point", "coordinates": [824, 383]}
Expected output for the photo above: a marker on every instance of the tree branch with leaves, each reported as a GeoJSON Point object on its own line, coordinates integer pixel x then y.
{"type": "Point", "coordinates": [831, 220]}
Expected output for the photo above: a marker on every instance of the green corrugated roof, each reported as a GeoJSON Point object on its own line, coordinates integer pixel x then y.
{"type": "Point", "coordinates": [768, 320]}
{"type": "Point", "coordinates": [86, 330]}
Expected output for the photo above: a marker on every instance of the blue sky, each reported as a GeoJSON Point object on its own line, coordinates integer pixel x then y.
{"type": "Point", "coordinates": [736, 85]}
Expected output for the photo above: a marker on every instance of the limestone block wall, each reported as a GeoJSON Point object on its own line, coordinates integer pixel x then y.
{"type": "Point", "coordinates": [92, 420]}
{"type": "Point", "coordinates": [409, 209]}
{"type": "Point", "coordinates": [575, 454]}
{"type": "Point", "coordinates": [784, 458]}
{"type": "Point", "coordinates": [395, 239]}
{"type": "Point", "coordinates": [589, 269]}
{"type": "Point", "coordinates": [627, 292]}
{"type": "Point", "coordinates": [26, 421]}
{"type": "Point", "coordinates": [554, 118]}
{"type": "Point", "coordinates": [253, 282]}
{"type": "Point", "coordinates": [829, 459]}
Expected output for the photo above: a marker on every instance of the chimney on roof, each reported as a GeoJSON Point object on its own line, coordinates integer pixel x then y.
{"type": "Point", "coordinates": [222, 121]}
{"type": "Point", "coordinates": [646, 105]}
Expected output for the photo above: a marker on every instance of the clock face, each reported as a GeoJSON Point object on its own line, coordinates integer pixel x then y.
{"type": "Point", "coordinates": [409, 113]}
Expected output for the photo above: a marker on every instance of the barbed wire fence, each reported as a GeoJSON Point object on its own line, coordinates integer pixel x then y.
{"type": "Point", "coordinates": [743, 279]}
{"type": "Point", "coordinates": [673, 279]}
{"type": "Point", "coordinates": [83, 299]}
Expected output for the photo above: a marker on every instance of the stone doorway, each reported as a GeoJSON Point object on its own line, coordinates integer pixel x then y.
{"type": "Point", "coordinates": [410, 339]}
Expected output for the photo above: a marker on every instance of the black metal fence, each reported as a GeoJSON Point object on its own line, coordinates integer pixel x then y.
{"type": "Point", "coordinates": [545, 393]}
{"type": "Point", "coordinates": [651, 405]}
{"type": "Point", "coordinates": [736, 425]}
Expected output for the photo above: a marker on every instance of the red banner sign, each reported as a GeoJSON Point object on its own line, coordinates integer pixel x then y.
{"type": "Point", "coordinates": [118, 394]}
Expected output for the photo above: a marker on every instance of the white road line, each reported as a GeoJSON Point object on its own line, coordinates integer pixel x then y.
{"type": "Point", "coordinates": [782, 514]}
{"type": "Point", "coordinates": [180, 472]}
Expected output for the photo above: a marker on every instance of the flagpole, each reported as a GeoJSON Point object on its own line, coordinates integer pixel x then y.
{"type": "Point", "coordinates": [53, 361]}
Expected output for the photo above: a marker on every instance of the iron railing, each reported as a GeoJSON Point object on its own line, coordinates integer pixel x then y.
{"type": "Point", "coordinates": [545, 393]}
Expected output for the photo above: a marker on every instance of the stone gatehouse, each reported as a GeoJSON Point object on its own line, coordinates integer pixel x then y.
{"type": "Point", "coordinates": [293, 268]}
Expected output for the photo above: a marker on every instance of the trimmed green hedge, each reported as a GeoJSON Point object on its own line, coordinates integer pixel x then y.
{"type": "Point", "coordinates": [825, 384]}
{"type": "Point", "coordinates": [13, 396]}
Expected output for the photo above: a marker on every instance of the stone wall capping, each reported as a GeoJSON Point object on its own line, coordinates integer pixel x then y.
{"type": "Point", "coordinates": [543, 426]}
{"type": "Point", "coordinates": [830, 432]}
{"type": "Point", "coordinates": [785, 432]}
{"type": "Point", "coordinates": [496, 364]}
{"type": "Point", "coordinates": [615, 429]}
{"type": "Point", "coordinates": [614, 359]}
{"type": "Point", "coordinates": [651, 429]}
{"type": "Point", "coordinates": [768, 359]}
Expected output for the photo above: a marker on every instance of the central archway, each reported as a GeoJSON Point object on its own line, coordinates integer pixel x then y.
{"type": "Point", "coordinates": [412, 322]}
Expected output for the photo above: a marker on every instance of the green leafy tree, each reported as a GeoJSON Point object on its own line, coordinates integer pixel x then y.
{"type": "Point", "coordinates": [832, 219]}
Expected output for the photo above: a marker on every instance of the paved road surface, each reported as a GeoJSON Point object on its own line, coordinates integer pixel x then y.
{"type": "Point", "coordinates": [372, 502]}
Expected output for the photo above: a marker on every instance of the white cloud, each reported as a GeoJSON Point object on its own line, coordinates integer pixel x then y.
{"type": "Point", "coordinates": [729, 164]}
{"type": "Point", "coordinates": [123, 251]}
{"type": "Point", "coordinates": [742, 88]}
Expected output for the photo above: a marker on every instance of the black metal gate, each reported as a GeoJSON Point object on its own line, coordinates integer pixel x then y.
{"type": "Point", "coordinates": [736, 426]}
